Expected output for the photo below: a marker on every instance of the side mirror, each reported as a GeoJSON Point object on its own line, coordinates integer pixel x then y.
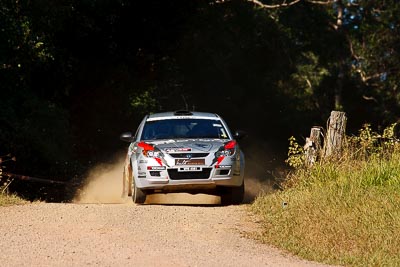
{"type": "Point", "coordinates": [127, 137]}
{"type": "Point", "coordinates": [239, 134]}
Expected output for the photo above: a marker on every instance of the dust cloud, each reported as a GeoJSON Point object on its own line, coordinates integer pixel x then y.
{"type": "Point", "coordinates": [102, 185]}
{"type": "Point", "coordinates": [264, 170]}
{"type": "Point", "coordinates": [104, 182]}
{"type": "Point", "coordinates": [255, 187]}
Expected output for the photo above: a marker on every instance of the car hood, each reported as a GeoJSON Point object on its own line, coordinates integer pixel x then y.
{"type": "Point", "coordinates": [189, 145]}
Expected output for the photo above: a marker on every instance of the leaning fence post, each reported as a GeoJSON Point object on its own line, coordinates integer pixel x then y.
{"type": "Point", "coordinates": [313, 145]}
{"type": "Point", "coordinates": [335, 133]}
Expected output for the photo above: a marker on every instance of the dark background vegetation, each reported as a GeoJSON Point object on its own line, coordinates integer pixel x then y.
{"type": "Point", "coordinates": [74, 74]}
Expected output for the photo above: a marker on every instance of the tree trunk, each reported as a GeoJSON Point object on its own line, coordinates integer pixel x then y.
{"type": "Point", "coordinates": [341, 57]}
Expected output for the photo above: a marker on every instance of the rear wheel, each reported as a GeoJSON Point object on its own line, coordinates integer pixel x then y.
{"type": "Point", "coordinates": [232, 195]}
{"type": "Point", "coordinates": [138, 195]}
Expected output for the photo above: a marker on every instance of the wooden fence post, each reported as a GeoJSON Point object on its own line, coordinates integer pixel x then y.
{"type": "Point", "coordinates": [335, 133]}
{"type": "Point", "coordinates": [313, 146]}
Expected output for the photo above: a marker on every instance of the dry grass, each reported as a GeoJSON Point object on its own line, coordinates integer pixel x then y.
{"type": "Point", "coordinates": [343, 212]}
{"type": "Point", "coordinates": [7, 200]}
{"type": "Point", "coordinates": [357, 228]}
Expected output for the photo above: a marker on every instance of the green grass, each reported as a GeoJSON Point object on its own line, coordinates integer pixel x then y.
{"type": "Point", "coordinates": [343, 212]}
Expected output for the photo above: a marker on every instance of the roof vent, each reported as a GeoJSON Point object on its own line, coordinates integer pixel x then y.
{"type": "Point", "coordinates": [183, 113]}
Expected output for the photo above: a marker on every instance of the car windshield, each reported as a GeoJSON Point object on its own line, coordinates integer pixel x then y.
{"type": "Point", "coordinates": [183, 128]}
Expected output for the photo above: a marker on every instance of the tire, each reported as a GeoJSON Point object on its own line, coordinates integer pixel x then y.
{"type": "Point", "coordinates": [126, 183]}
{"type": "Point", "coordinates": [232, 195]}
{"type": "Point", "coordinates": [138, 195]}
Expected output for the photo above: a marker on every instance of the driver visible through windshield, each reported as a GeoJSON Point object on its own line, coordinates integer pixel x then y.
{"type": "Point", "coordinates": [183, 128]}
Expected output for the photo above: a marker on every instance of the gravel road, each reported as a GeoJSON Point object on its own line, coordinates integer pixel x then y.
{"type": "Point", "coordinates": [47, 234]}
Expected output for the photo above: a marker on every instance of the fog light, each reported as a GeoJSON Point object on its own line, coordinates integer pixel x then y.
{"type": "Point", "coordinates": [224, 172]}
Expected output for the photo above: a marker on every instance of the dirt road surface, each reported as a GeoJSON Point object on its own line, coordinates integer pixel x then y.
{"type": "Point", "coordinates": [46, 234]}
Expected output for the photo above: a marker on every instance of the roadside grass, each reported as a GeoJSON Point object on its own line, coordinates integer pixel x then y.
{"type": "Point", "coordinates": [345, 211]}
{"type": "Point", "coordinates": [9, 199]}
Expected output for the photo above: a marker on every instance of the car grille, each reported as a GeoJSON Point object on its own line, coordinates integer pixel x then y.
{"type": "Point", "coordinates": [175, 175]}
{"type": "Point", "coordinates": [188, 155]}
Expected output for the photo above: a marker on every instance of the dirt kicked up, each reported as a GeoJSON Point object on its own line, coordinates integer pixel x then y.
{"type": "Point", "coordinates": [104, 185]}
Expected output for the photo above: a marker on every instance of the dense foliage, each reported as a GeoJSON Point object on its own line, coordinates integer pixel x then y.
{"type": "Point", "coordinates": [74, 74]}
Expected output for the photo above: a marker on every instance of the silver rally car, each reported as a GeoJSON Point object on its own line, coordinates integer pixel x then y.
{"type": "Point", "coordinates": [184, 151]}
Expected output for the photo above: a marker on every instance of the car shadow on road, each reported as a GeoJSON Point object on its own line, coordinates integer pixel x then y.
{"type": "Point", "coordinates": [183, 199]}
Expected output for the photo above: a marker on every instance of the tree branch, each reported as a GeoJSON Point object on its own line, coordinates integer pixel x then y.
{"type": "Point", "coordinates": [284, 4]}
{"type": "Point", "coordinates": [353, 53]}
{"type": "Point", "coordinates": [327, 2]}
{"type": "Point", "coordinates": [262, 5]}
{"type": "Point", "coordinates": [366, 79]}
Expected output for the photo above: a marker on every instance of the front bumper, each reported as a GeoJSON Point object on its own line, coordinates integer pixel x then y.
{"type": "Point", "coordinates": [150, 176]}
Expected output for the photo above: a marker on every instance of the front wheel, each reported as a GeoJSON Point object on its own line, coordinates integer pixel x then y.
{"type": "Point", "coordinates": [138, 195]}
{"type": "Point", "coordinates": [127, 181]}
{"type": "Point", "coordinates": [232, 195]}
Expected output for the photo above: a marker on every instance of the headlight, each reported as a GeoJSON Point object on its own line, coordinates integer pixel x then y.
{"type": "Point", "coordinates": [150, 151]}
{"type": "Point", "coordinates": [227, 150]}
{"type": "Point", "coordinates": [154, 154]}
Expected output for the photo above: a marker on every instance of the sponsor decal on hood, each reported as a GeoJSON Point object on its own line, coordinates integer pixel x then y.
{"type": "Point", "coordinates": [175, 149]}
{"type": "Point", "coordinates": [190, 146]}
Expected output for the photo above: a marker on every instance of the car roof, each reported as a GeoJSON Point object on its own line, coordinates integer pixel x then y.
{"type": "Point", "coordinates": [182, 115]}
